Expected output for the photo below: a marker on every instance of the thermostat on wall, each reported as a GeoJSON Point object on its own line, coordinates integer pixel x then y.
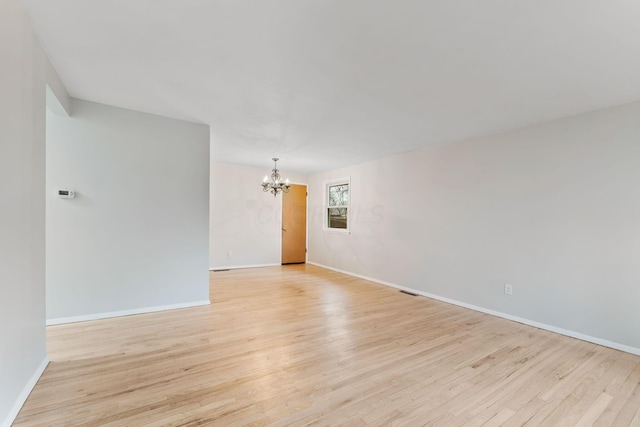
{"type": "Point", "coordinates": [66, 194]}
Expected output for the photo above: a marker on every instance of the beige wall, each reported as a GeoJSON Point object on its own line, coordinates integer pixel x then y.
{"type": "Point", "coordinates": [244, 220]}
{"type": "Point", "coordinates": [552, 210]}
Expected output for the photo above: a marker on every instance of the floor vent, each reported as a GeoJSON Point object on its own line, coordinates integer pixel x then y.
{"type": "Point", "coordinates": [224, 269]}
{"type": "Point", "coordinates": [409, 293]}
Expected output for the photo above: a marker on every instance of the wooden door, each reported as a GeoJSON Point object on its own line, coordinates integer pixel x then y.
{"type": "Point", "coordinates": [294, 225]}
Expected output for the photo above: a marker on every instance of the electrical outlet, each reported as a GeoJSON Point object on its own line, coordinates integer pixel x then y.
{"type": "Point", "coordinates": [229, 254]}
{"type": "Point", "coordinates": [508, 289]}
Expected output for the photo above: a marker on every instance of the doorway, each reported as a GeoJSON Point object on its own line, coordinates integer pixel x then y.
{"type": "Point", "coordinates": [294, 225]}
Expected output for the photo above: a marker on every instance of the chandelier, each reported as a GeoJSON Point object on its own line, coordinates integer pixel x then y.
{"type": "Point", "coordinates": [275, 185]}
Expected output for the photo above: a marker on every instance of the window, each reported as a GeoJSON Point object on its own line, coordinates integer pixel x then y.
{"type": "Point", "coordinates": [337, 205]}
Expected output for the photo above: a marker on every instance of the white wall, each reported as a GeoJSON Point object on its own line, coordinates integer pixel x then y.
{"type": "Point", "coordinates": [22, 245]}
{"type": "Point", "coordinates": [57, 98]}
{"type": "Point", "coordinates": [553, 210]}
{"type": "Point", "coordinates": [244, 220]}
{"type": "Point", "coordinates": [135, 238]}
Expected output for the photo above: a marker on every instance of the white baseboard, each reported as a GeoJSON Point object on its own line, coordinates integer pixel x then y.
{"type": "Point", "coordinates": [15, 409]}
{"type": "Point", "coordinates": [109, 314]}
{"type": "Point", "coordinates": [551, 328]}
{"type": "Point", "coordinates": [234, 267]}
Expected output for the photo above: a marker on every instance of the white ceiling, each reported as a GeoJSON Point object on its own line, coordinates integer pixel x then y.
{"type": "Point", "coordinates": [328, 83]}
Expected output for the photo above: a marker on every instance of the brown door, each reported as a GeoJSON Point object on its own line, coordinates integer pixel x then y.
{"type": "Point", "coordinates": [294, 225]}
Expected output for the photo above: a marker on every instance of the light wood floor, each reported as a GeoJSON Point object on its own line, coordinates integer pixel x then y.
{"type": "Point", "coordinates": [301, 345]}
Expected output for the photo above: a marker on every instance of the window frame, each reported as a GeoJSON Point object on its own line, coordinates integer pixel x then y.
{"type": "Point", "coordinates": [326, 206]}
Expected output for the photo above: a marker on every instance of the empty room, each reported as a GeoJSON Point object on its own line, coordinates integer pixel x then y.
{"type": "Point", "coordinates": [319, 212]}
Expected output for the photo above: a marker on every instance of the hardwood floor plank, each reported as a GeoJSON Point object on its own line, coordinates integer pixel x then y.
{"type": "Point", "coordinates": [300, 345]}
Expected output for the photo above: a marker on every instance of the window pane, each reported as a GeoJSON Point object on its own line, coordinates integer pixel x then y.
{"type": "Point", "coordinates": [337, 218]}
{"type": "Point", "coordinates": [339, 195]}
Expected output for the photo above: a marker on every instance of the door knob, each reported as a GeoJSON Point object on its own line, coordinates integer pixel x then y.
{"type": "Point", "coordinates": [284, 229]}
